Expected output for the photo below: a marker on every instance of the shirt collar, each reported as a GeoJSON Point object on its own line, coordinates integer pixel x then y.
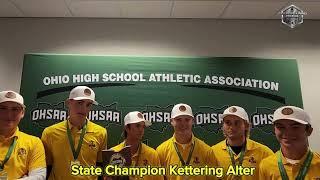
{"type": "Point", "coordinates": [123, 144]}
{"type": "Point", "coordinates": [89, 126]}
{"type": "Point", "coordinates": [188, 144]}
{"type": "Point", "coordinates": [284, 160]}
{"type": "Point", "coordinates": [249, 145]}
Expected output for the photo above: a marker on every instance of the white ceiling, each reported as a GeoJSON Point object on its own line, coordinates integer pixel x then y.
{"type": "Point", "coordinates": [217, 9]}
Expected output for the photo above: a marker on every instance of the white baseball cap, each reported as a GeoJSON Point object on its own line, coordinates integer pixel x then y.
{"type": "Point", "coordinates": [135, 117]}
{"type": "Point", "coordinates": [181, 109]}
{"type": "Point", "coordinates": [11, 96]}
{"type": "Point", "coordinates": [82, 92]}
{"type": "Point", "coordinates": [291, 113]}
{"type": "Point", "coordinates": [236, 111]}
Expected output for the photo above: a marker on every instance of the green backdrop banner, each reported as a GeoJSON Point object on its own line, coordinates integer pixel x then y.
{"type": "Point", "coordinates": [153, 85]}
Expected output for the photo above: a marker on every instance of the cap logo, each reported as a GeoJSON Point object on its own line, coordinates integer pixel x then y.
{"type": "Point", "coordinates": [182, 108]}
{"type": "Point", "coordinates": [233, 110]}
{"type": "Point", "coordinates": [10, 95]}
{"type": "Point", "coordinates": [87, 92]}
{"type": "Point", "coordinates": [287, 111]}
{"type": "Point", "coordinates": [140, 116]}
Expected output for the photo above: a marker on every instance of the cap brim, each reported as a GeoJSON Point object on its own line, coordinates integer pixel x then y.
{"type": "Point", "coordinates": [182, 114]}
{"type": "Point", "coordinates": [224, 115]}
{"type": "Point", "coordinates": [10, 100]}
{"type": "Point", "coordinates": [293, 119]}
{"type": "Point", "coordinates": [146, 122]}
{"type": "Point", "coordinates": [83, 98]}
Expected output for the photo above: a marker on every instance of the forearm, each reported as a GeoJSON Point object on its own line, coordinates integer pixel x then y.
{"type": "Point", "coordinates": [36, 174]}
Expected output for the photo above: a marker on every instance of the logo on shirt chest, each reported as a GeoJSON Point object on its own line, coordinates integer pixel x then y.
{"type": "Point", "coordinates": [22, 152]}
{"type": "Point", "coordinates": [252, 160]}
{"type": "Point", "coordinates": [145, 162]}
{"type": "Point", "coordinates": [196, 160]}
{"type": "Point", "coordinates": [92, 145]}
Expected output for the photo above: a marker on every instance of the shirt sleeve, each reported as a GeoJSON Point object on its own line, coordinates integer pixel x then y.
{"type": "Point", "coordinates": [47, 147]}
{"type": "Point", "coordinates": [104, 146]}
{"type": "Point", "coordinates": [37, 157]}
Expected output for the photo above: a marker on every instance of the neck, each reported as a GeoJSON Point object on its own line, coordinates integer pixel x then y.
{"type": "Point", "coordinates": [77, 122]}
{"type": "Point", "coordinates": [294, 153]}
{"type": "Point", "coordinates": [134, 145]}
{"type": "Point", "coordinates": [236, 141]}
{"type": "Point", "coordinates": [6, 133]}
{"type": "Point", "coordinates": [183, 138]}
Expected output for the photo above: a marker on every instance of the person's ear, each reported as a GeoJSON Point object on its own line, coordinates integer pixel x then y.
{"type": "Point", "coordinates": [309, 130]}
{"type": "Point", "coordinates": [172, 121]}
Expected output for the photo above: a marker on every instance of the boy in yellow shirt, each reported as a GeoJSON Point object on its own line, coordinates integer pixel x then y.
{"type": "Point", "coordinates": [237, 149]}
{"type": "Point", "coordinates": [75, 141]}
{"type": "Point", "coordinates": [21, 155]}
{"type": "Point", "coordinates": [141, 154]}
{"type": "Point", "coordinates": [294, 160]}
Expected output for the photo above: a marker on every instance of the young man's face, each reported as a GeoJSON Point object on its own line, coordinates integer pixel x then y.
{"type": "Point", "coordinates": [291, 134]}
{"type": "Point", "coordinates": [79, 108]}
{"type": "Point", "coordinates": [10, 115]}
{"type": "Point", "coordinates": [135, 130]}
{"type": "Point", "coordinates": [234, 127]}
{"type": "Point", "coordinates": [182, 124]}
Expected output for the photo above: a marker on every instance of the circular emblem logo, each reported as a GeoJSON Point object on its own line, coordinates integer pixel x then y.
{"type": "Point", "coordinates": [10, 95]}
{"type": "Point", "coordinates": [233, 110]}
{"type": "Point", "coordinates": [287, 111]}
{"type": "Point", "coordinates": [140, 116]}
{"type": "Point", "coordinates": [22, 152]}
{"type": "Point", "coordinates": [87, 92]}
{"type": "Point", "coordinates": [117, 159]}
{"type": "Point", "coordinates": [182, 108]}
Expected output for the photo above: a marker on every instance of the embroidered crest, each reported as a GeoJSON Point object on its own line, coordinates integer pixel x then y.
{"type": "Point", "coordinates": [140, 116]}
{"type": "Point", "coordinates": [92, 145]}
{"type": "Point", "coordinates": [196, 160]}
{"type": "Point", "coordinates": [287, 111]}
{"type": "Point", "coordinates": [182, 108]}
{"type": "Point", "coordinates": [10, 95]}
{"type": "Point", "coordinates": [22, 152]}
{"type": "Point", "coordinates": [87, 92]}
{"type": "Point", "coordinates": [252, 160]}
{"type": "Point", "coordinates": [233, 110]}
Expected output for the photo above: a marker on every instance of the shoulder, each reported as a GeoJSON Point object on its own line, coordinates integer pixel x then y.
{"type": "Point", "coordinates": [201, 144]}
{"type": "Point", "coordinates": [25, 139]}
{"type": "Point", "coordinates": [118, 147]}
{"type": "Point", "coordinates": [269, 161]}
{"type": "Point", "coordinates": [260, 147]}
{"type": "Point", "coordinates": [96, 128]}
{"type": "Point", "coordinates": [55, 127]}
{"type": "Point", "coordinates": [219, 145]}
{"type": "Point", "coordinates": [316, 157]}
{"type": "Point", "coordinates": [165, 145]}
{"type": "Point", "coordinates": [149, 150]}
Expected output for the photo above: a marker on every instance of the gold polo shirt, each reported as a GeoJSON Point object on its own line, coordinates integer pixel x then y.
{"type": "Point", "coordinates": [27, 155]}
{"type": "Point", "coordinates": [148, 156]}
{"type": "Point", "coordinates": [269, 168]}
{"type": "Point", "coordinates": [253, 155]}
{"type": "Point", "coordinates": [202, 156]}
{"type": "Point", "coordinates": [59, 153]}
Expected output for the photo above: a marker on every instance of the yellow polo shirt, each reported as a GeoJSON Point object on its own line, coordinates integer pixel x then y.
{"type": "Point", "coordinates": [27, 155]}
{"type": "Point", "coordinates": [59, 153]}
{"type": "Point", "coordinates": [253, 155]}
{"type": "Point", "coordinates": [148, 156]}
{"type": "Point", "coordinates": [202, 155]}
{"type": "Point", "coordinates": [269, 168]}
